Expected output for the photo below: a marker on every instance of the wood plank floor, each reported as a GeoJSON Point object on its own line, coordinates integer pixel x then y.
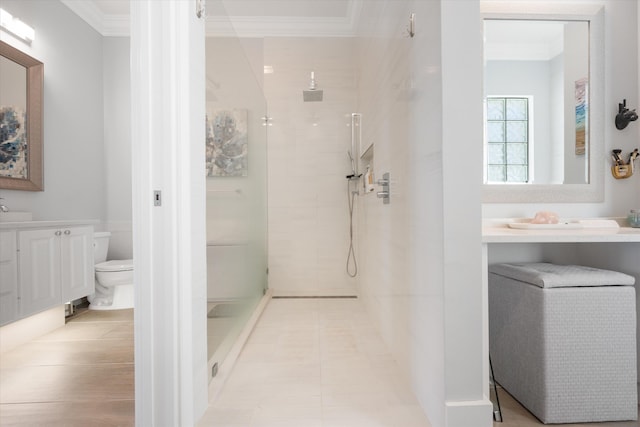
{"type": "Point", "coordinates": [79, 375]}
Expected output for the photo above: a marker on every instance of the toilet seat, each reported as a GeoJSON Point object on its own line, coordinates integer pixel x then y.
{"type": "Point", "coordinates": [115, 265]}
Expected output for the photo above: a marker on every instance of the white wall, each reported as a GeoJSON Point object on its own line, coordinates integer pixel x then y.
{"type": "Point", "coordinates": [117, 146]}
{"type": "Point", "coordinates": [74, 172]}
{"type": "Point", "coordinates": [308, 162]}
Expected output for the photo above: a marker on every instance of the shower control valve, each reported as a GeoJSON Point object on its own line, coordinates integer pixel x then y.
{"type": "Point", "coordinates": [385, 193]}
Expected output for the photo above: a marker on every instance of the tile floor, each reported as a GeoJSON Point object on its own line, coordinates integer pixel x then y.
{"type": "Point", "coordinates": [315, 362]}
{"type": "Point", "coordinates": [76, 376]}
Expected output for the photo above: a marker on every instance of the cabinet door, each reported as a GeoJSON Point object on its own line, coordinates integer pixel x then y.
{"type": "Point", "coordinates": [77, 263]}
{"type": "Point", "coordinates": [8, 277]}
{"type": "Point", "coordinates": [39, 267]}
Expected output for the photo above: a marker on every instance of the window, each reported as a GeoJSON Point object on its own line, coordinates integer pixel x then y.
{"type": "Point", "coordinates": [507, 139]}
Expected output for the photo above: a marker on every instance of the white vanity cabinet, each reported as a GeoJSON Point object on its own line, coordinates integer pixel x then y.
{"type": "Point", "coordinates": [8, 277]}
{"type": "Point", "coordinates": [44, 264]}
{"type": "Point", "coordinates": [77, 263]}
{"type": "Point", "coordinates": [55, 266]}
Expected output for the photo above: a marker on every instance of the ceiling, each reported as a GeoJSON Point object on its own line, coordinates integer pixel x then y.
{"type": "Point", "coordinates": [249, 18]}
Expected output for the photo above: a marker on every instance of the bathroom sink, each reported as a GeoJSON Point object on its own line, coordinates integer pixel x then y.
{"type": "Point", "coordinates": [15, 216]}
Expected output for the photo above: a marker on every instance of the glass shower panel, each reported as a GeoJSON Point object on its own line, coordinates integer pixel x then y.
{"type": "Point", "coordinates": [236, 153]}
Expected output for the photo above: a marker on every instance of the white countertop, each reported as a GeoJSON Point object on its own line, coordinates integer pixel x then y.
{"type": "Point", "coordinates": [47, 224]}
{"type": "Point", "coordinates": [497, 231]}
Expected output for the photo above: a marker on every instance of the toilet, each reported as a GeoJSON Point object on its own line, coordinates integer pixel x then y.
{"type": "Point", "coordinates": [114, 279]}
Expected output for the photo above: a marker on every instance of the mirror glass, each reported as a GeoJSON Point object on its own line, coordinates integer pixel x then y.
{"type": "Point", "coordinates": [536, 101]}
{"type": "Point", "coordinates": [13, 117]}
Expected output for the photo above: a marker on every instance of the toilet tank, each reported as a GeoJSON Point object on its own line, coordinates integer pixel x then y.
{"type": "Point", "coordinates": [100, 246]}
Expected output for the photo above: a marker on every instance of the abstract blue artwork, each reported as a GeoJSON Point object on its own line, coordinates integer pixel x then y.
{"type": "Point", "coordinates": [13, 143]}
{"type": "Point", "coordinates": [226, 142]}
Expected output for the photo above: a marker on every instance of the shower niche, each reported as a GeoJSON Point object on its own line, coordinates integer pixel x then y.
{"type": "Point", "coordinates": [368, 176]}
{"type": "Point", "coordinates": [361, 155]}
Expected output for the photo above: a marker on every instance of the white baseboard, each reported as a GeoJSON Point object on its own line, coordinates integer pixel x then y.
{"type": "Point", "coordinates": [476, 413]}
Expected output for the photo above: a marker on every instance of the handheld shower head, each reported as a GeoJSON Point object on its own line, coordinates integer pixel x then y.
{"type": "Point", "coordinates": [353, 163]}
{"type": "Point", "coordinates": [313, 94]}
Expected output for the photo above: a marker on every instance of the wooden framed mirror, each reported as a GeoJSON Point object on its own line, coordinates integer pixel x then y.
{"type": "Point", "coordinates": [21, 83]}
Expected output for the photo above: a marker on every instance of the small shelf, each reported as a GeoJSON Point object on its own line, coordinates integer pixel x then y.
{"type": "Point", "coordinates": [366, 161]}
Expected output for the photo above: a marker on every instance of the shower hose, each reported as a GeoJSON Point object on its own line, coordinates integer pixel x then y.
{"type": "Point", "coordinates": [352, 264]}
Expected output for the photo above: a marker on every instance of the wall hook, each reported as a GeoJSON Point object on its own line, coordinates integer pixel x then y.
{"type": "Point", "coordinates": [411, 28]}
{"type": "Point", "coordinates": [625, 115]}
{"type": "Point", "coordinates": [200, 8]}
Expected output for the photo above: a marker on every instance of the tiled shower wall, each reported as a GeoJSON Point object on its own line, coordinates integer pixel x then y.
{"type": "Point", "coordinates": [421, 264]}
{"type": "Point", "coordinates": [401, 255]}
{"type": "Point", "coordinates": [308, 162]}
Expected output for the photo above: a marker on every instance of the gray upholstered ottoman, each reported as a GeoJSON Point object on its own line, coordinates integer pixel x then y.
{"type": "Point", "coordinates": [562, 340]}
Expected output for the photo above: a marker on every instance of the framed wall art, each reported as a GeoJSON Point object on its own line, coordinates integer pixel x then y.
{"type": "Point", "coordinates": [226, 142]}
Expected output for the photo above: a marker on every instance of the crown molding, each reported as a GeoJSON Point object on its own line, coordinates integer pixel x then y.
{"type": "Point", "coordinates": [116, 26]}
{"type": "Point", "coordinates": [232, 26]}
{"type": "Point", "coordinates": [274, 26]}
{"type": "Point", "coordinates": [242, 26]}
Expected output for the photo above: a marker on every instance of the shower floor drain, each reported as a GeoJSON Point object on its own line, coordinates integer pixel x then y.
{"type": "Point", "coordinates": [312, 296]}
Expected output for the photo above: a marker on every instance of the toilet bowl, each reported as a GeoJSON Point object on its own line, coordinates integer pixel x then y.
{"type": "Point", "coordinates": [114, 285]}
{"type": "Point", "coordinates": [114, 279]}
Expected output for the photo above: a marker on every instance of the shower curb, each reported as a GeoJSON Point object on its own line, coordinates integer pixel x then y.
{"type": "Point", "coordinates": [226, 366]}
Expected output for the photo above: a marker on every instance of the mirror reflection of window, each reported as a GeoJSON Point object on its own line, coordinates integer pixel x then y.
{"type": "Point", "coordinates": [508, 139]}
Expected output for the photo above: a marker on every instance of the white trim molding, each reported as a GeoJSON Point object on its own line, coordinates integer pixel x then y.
{"type": "Point", "coordinates": [107, 25]}
{"type": "Point", "coordinates": [280, 26]}
{"type": "Point", "coordinates": [233, 26]}
{"type": "Point", "coordinates": [167, 112]}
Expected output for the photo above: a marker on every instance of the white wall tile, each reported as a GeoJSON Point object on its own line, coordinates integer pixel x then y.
{"type": "Point", "coordinates": [308, 213]}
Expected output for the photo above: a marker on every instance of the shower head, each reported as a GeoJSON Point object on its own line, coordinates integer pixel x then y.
{"type": "Point", "coordinates": [313, 94]}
